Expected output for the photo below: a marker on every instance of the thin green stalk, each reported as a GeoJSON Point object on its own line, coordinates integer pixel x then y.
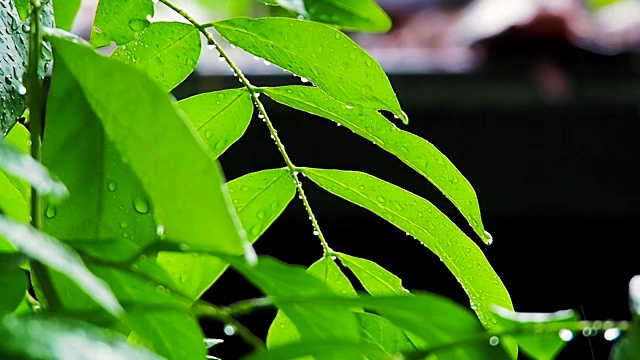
{"type": "Point", "coordinates": [255, 94]}
{"type": "Point", "coordinates": [36, 114]}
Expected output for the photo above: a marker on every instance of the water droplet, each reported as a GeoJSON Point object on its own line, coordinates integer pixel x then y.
{"type": "Point", "coordinates": [304, 80]}
{"type": "Point", "coordinates": [316, 233]}
{"type": "Point", "coordinates": [566, 335]}
{"type": "Point", "coordinates": [489, 238]}
{"type": "Point", "coordinates": [233, 46]}
{"type": "Point", "coordinates": [160, 230]}
{"type": "Point", "coordinates": [267, 63]}
{"type": "Point", "coordinates": [229, 330]}
{"type": "Point", "coordinates": [494, 341]}
{"type": "Point", "coordinates": [143, 257]}
{"type": "Point", "coordinates": [260, 215]}
{"type": "Point", "coordinates": [408, 234]}
{"type": "Point", "coordinates": [588, 332]}
{"type": "Point", "coordinates": [125, 234]}
{"type": "Point", "coordinates": [26, 27]}
{"type": "Point", "coordinates": [112, 186]}
{"type": "Point", "coordinates": [183, 278]}
{"type": "Point", "coordinates": [611, 334]}
{"type": "Point", "coordinates": [208, 133]}
{"type": "Point", "coordinates": [51, 211]}
{"type": "Point", "coordinates": [141, 205]}
{"type": "Point", "coordinates": [381, 198]}
{"type": "Point", "coordinates": [256, 230]}
{"type": "Point", "coordinates": [160, 288]}
{"type": "Point", "coordinates": [21, 89]}
{"type": "Point", "coordinates": [123, 224]}
{"type": "Point", "coordinates": [245, 188]}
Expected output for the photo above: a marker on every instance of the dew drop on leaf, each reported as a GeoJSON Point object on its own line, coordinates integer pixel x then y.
{"type": "Point", "coordinates": [260, 215]}
{"type": "Point", "coordinates": [141, 205]}
{"type": "Point", "coordinates": [50, 212]}
{"type": "Point", "coordinates": [381, 198]}
{"type": "Point", "coordinates": [124, 224]}
{"type": "Point", "coordinates": [229, 330]}
{"type": "Point", "coordinates": [611, 334]}
{"type": "Point", "coordinates": [112, 186]}
{"type": "Point", "coordinates": [565, 335]}
{"type": "Point", "coordinates": [494, 341]}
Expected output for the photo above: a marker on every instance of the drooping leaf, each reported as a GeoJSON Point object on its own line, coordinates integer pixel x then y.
{"type": "Point", "coordinates": [435, 319]}
{"type": "Point", "coordinates": [108, 203]}
{"type": "Point", "coordinates": [65, 12]}
{"type": "Point", "coordinates": [120, 21]}
{"type": "Point", "coordinates": [15, 193]}
{"type": "Point", "coordinates": [425, 222]}
{"type": "Point", "coordinates": [56, 338]}
{"type": "Point", "coordinates": [54, 254]}
{"type": "Point", "coordinates": [221, 117]}
{"type": "Point", "coordinates": [24, 166]}
{"type": "Point", "coordinates": [13, 283]}
{"type": "Point", "coordinates": [166, 51]}
{"type": "Point", "coordinates": [373, 277]}
{"type": "Point", "coordinates": [13, 60]}
{"type": "Point", "coordinates": [414, 151]}
{"type": "Point", "coordinates": [313, 322]}
{"type": "Point", "coordinates": [340, 349]}
{"type": "Point", "coordinates": [186, 187]}
{"type": "Point", "coordinates": [259, 198]}
{"type": "Point", "coordinates": [282, 330]}
{"type": "Point", "coordinates": [543, 346]}
{"type": "Point", "coordinates": [359, 15]}
{"type": "Point", "coordinates": [325, 56]}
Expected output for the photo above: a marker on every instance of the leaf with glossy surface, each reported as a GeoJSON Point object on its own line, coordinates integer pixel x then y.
{"type": "Point", "coordinates": [361, 15]}
{"type": "Point", "coordinates": [373, 277]}
{"type": "Point", "coordinates": [221, 117]}
{"type": "Point", "coordinates": [120, 21]}
{"type": "Point", "coordinates": [166, 51]}
{"type": "Point", "coordinates": [50, 338]}
{"type": "Point", "coordinates": [54, 254]}
{"type": "Point", "coordinates": [538, 346]}
{"type": "Point", "coordinates": [15, 193]}
{"type": "Point", "coordinates": [338, 349]}
{"type": "Point", "coordinates": [14, 284]}
{"type": "Point", "coordinates": [414, 151]}
{"type": "Point", "coordinates": [65, 12]}
{"type": "Point", "coordinates": [320, 53]}
{"type": "Point", "coordinates": [425, 222]}
{"type": "Point", "coordinates": [185, 188]}
{"type": "Point", "coordinates": [23, 8]}
{"type": "Point", "coordinates": [381, 332]}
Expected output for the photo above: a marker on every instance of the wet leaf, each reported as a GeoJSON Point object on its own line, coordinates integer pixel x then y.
{"type": "Point", "coordinates": [373, 277]}
{"type": "Point", "coordinates": [120, 21]}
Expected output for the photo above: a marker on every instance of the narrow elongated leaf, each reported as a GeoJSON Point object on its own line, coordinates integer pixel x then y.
{"type": "Point", "coordinates": [15, 193]}
{"type": "Point", "coordinates": [338, 349]}
{"type": "Point", "coordinates": [435, 319]}
{"type": "Point", "coordinates": [373, 277]}
{"type": "Point", "coordinates": [221, 117]}
{"type": "Point", "coordinates": [313, 322]}
{"type": "Point", "coordinates": [185, 187]}
{"type": "Point", "coordinates": [425, 222]}
{"type": "Point", "coordinates": [119, 21]}
{"type": "Point", "coordinates": [283, 330]}
{"type": "Point", "coordinates": [538, 346]}
{"type": "Point", "coordinates": [362, 15]}
{"type": "Point", "coordinates": [65, 12]}
{"type": "Point", "coordinates": [50, 338]}
{"type": "Point", "coordinates": [414, 151]}
{"type": "Point", "coordinates": [13, 283]}
{"type": "Point", "coordinates": [60, 257]}
{"type": "Point", "coordinates": [13, 61]}
{"type": "Point", "coordinates": [167, 51]}
{"type": "Point", "coordinates": [24, 166]}
{"type": "Point", "coordinates": [259, 198]}
{"type": "Point", "coordinates": [107, 202]}
{"type": "Point", "coordinates": [325, 56]}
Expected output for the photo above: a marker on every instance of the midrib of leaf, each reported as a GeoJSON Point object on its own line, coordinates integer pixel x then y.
{"type": "Point", "coordinates": [434, 247]}
{"type": "Point", "coordinates": [240, 94]}
{"type": "Point", "coordinates": [260, 192]}
{"type": "Point", "coordinates": [171, 45]}
{"type": "Point", "coordinates": [375, 276]}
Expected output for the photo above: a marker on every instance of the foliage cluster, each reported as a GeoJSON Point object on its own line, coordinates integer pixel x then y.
{"type": "Point", "coordinates": [139, 222]}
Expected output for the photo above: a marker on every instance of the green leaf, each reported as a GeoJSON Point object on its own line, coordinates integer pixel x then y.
{"type": "Point", "coordinates": [259, 199]}
{"type": "Point", "coordinates": [338, 349]}
{"type": "Point", "coordinates": [186, 187]}
{"type": "Point", "coordinates": [13, 62]}
{"type": "Point", "coordinates": [414, 151]}
{"type": "Point", "coordinates": [25, 167]}
{"type": "Point", "coordinates": [313, 322]}
{"type": "Point", "coordinates": [107, 202]}
{"type": "Point", "coordinates": [422, 220]}
{"type": "Point", "coordinates": [23, 7]}
{"type": "Point", "coordinates": [283, 330]}
{"type": "Point", "coordinates": [362, 15]}
{"type": "Point", "coordinates": [634, 295]}
{"type": "Point", "coordinates": [119, 21]}
{"type": "Point", "coordinates": [14, 286]}
{"type": "Point", "coordinates": [318, 52]}
{"type": "Point", "coordinates": [381, 332]}
{"type": "Point", "coordinates": [65, 12]}
{"type": "Point", "coordinates": [435, 319]}
{"type": "Point", "coordinates": [15, 193]}
{"type": "Point", "coordinates": [56, 338]}
{"type": "Point", "coordinates": [538, 346]}
{"type": "Point", "coordinates": [167, 51]}
{"type": "Point", "coordinates": [373, 277]}
{"type": "Point", "coordinates": [628, 347]}
{"type": "Point", "coordinates": [221, 117]}
{"type": "Point", "coordinates": [60, 257]}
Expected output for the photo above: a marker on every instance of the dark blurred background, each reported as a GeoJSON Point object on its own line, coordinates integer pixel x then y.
{"type": "Point", "coordinates": [535, 101]}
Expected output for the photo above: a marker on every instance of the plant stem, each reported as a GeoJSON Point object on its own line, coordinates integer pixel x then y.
{"type": "Point", "coordinates": [36, 115]}
{"type": "Point", "coordinates": [255, 94]}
